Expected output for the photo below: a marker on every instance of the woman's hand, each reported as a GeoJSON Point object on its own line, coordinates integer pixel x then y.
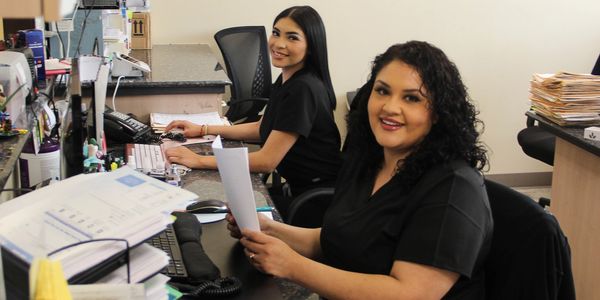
{"type": "Point", "coordinates": [269, 254]}
{"type": "Point", "coordinates": [235, 231]}
{"type": "Point", "coordinates": [184, 156]}
{"type": "Point", "coordinates": [189, 129]}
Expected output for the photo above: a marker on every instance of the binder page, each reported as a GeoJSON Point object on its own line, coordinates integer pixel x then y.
{"type": "Point", "coordinates": [235, 175]}
{"type": "Point", "coordinates": [120, 204]}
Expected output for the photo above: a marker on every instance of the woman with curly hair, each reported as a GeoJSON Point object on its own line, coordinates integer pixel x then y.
{"type": "Point", "coordinates": [410, 218]}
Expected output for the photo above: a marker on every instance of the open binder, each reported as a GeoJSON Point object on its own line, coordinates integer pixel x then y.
{"type": "Point", "coordinates": [123, 204]}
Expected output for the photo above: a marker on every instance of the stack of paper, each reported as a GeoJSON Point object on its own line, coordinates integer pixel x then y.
{"type": "Point", "coordinates": [159, 121]}
{"type": "Point", "coordinates": [567, 99]}
{"type": "Point", "coordinates": [123, 204]}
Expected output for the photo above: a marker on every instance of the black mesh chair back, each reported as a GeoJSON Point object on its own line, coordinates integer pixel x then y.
{"type": "Point", "coordinates": [246, 56]}
{"type": "Point", "coordinates": [596, 68]}
{"type": "Point", "coordinates": [530, 257]}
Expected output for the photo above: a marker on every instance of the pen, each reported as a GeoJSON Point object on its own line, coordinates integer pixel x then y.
{"type": "Point", "coordinates": [259, 209]}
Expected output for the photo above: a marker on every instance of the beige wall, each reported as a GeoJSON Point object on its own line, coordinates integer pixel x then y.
{"type": "Point", "coordinates": [497, 45]}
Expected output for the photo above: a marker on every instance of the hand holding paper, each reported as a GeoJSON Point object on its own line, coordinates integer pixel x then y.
{"type": "Point", "coordinates": [235, 175]}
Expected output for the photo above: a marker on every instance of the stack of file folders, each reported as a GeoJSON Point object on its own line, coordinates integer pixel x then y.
{"type": "Point", "coordinates": [567, 99]}
{"type": "Point", "coordinates": [123, 204]}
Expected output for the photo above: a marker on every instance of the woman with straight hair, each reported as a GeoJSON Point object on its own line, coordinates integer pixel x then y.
{"type": "Point", "coordinates": [410, 217]}
{"type": "Point", "coordinates": [299, 135]}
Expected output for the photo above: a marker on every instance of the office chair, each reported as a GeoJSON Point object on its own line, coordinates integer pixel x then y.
{"type": "Point", "coordinates": [307, 210]}
{"type": "Point", "coordinates": [537, 142]}
{"type": "Point", "coordinates": [530, 257]}
{"type": "Point", "coordinates": [246, 56]}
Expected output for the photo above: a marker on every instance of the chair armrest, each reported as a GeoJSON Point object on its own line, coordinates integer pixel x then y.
{"type": "Point", "coordinates": [233, 102]}
{"type": "Point", "coordinates": [304, 199]}
{"type": "Point", "coordinates": [530, 121]}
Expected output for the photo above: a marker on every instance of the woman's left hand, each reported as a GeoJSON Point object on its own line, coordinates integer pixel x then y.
{"type": "Point", "coordinates": [184, 156]}
{"type": "Point", "coordinates": [269, 254]}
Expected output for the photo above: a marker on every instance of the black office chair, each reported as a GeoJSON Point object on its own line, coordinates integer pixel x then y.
{"type": "Point", "coordinates": [530, 257]}
{"type": "Point", "coordinates": [307, 210]}
{"type": "Point", "coordinates": [246, 56]}
{"type": "Point", "coordinates": [537, 142]}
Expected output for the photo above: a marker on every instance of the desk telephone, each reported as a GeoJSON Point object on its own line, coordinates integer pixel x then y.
{"type": "Point", "coordinates": [123, 128]}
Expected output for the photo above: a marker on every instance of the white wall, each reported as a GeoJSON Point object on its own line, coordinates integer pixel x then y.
{"type": "Point", "coordinates": [496, 45]}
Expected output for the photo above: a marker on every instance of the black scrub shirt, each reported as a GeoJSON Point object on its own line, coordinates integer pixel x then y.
{"type": "Point", "coordinates": [301, 105]}
{"type": "Point", "coordinates": [444, 221]}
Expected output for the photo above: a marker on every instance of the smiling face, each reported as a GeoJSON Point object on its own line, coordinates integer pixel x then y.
{"type": "Point", "coordinates": [288, 47]}
{"type": "Point", "coordinates": [399, 110]}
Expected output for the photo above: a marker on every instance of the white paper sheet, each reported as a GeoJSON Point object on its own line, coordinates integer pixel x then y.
{"type": "Point", "coordinates": [120, 204]}
{"type": "Point", "coordinates": [235, 175]}
{"type": "Point", "coordinates": [209, 118]}
{"type": "Point", "coordinates": [100, 100]}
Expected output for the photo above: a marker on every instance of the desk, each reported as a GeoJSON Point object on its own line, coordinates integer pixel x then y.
{"type": "Point", "coordinates": [225, 251]}
{"type": "Point", "coordinates": [576, 202]}
{"type": "Point", "coordinates": [184, 79]}
{"type": "Point", "coordinates": [10, 149]}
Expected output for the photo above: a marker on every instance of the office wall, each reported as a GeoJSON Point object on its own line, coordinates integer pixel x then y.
{"type": "Point", "coordinates": [497, 45]}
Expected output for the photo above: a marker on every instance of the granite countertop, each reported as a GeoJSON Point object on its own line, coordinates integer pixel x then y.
{"type": "Point", "coordinates": [573, 135]}
{"type": "Point", "coordinates": [207, 184]}
{"type": "Point", "coordinates": [175, 66]}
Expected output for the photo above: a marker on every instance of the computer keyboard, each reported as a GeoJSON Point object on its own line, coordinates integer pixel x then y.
{"type": "Point", "coordinates": [148, 159]}
{"type": "Point", "coordinates": [167, 241]}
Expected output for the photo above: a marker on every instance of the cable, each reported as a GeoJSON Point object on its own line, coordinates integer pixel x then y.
{"type": "Point", "coordinates": [87, 14]}
{"type": "Point", "coordinates": [115, 92]}
{"type": "Point", "coordinates": [69, 33]}
{"type": "Point", "coordinates": [62, 44]}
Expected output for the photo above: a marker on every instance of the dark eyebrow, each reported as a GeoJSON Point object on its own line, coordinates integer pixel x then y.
{"type": "Point", "coordinates": [292, 32]}
{"type": "Point", "coordinates": [382, 83]}
{"type": "Point", "coordinates": [405, 90]}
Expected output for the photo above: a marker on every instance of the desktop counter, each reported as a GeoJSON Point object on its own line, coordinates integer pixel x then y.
{"type": "Point", "coordinates": [576, 201]}
{"type": "Point", "coordinates": [10, 149]}
{"type": "Point", "coordinates": [225, 251]}
{"type": "Point", "coordinates": [184, 79]}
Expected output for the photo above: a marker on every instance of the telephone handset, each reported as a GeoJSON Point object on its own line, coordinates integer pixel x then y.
{"type": "Point", "coordinates": [122, 128]}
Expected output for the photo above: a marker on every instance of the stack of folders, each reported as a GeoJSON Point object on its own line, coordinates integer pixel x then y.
{"type": "Point", "coordinates": [123, 204]}
{"type": "Point", "coordinates": [567, 99]}
{"type": "Point", "coordinates": [159, 121]}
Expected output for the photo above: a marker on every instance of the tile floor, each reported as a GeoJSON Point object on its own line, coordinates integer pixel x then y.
{"type": "Point", "coordinates": [535, 192]}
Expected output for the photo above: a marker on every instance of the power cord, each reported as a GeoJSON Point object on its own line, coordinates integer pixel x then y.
{"type": "Point", "coordinates": [87, 14]}
{"type": "Point", "coordinates": [115, 92]}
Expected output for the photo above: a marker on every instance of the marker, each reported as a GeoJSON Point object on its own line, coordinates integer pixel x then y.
{"type": "Point", "coordinates": [258, 209]}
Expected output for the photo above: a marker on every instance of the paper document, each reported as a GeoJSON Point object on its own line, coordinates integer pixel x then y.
{"type": "Point", "coordinates": [120, 204]}
{"type": "Point", "coordinates": [108, 291]}
{"type": "Point", "coordinates": [209, 118]}
{"type": "Point", "coordinates": [100, 100]}
{"type": "Point", "coordinates": [235, 175]}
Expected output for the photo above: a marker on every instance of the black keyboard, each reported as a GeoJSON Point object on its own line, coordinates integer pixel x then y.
{"type": "Point", "coordinates": [167, 241]}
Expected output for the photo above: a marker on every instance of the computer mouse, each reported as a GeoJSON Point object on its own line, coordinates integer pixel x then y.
{"type": "Point", "coordinates": [206, 206]}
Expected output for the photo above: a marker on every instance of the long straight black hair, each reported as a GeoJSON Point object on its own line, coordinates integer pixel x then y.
{"type": "Point", "coordinates": [316, 55]}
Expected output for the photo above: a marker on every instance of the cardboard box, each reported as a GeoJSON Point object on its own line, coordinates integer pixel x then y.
{"type": "Point", "coordinates": [592, 133]}
{"type": "Point", "coordinates": [140, 31]}
{"type": "Point", "coordinates": [50, 9]}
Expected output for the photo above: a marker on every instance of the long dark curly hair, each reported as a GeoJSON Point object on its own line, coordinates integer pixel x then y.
{"type": "Point", "coordinates": [453, 136]}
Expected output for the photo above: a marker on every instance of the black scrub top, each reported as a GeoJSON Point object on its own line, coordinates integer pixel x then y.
{"type": "Point", "coordinates": [301, 105]}
{"type": "Point", "coordinates": [444, 221]}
